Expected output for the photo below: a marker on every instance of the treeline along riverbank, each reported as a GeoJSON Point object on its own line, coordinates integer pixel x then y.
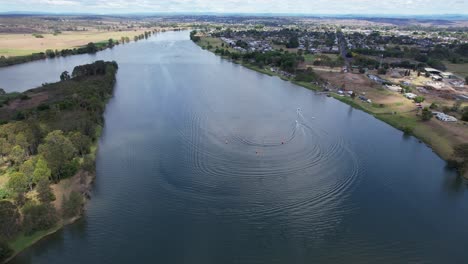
{"type": "Point", "coordinates": [48, 140]}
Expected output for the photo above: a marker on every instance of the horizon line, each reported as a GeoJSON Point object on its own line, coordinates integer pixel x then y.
{"type": "Point", "coordinates": [375, 15]}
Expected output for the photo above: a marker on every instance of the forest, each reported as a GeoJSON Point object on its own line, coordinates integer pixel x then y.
{"type": "Point", "coordinates": [49, 134]}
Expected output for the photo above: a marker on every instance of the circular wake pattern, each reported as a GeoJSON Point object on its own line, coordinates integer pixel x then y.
{"type": "Point", "coordinates": [272, 166]}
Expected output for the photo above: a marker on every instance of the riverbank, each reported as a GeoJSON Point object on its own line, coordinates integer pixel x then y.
{"type": "Point", "coordinates": [49, 141]}
{"type": "Point", "coordinates": [392, 109]}
{"type": "Point", "coordinates": [60, 190]}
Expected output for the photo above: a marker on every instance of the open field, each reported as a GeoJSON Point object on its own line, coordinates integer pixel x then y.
{"type": "Point", "coordinates": [214, 42]}
{"type": "Point", "coordinates": [25, 44]}
{"type": "Point", "coordinates": [458, 69]}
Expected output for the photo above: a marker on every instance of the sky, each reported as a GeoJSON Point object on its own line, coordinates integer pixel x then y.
{"type": "Point", "coordinates": [324, 7]}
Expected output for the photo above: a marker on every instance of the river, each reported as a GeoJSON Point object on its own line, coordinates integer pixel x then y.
{"type": "Point", "coordinates": [204, 161]}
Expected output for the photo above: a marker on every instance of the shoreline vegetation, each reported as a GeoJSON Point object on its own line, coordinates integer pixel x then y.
{"type": "Point", "coordinates": [90, 48]}
{"type": "Point", "coordinates": [48, 144]}
{"type": "Point", "coordinates": [284, 64]}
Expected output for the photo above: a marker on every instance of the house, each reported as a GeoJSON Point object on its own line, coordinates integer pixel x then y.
{"type": "Point", "coordinates": [432, 71]}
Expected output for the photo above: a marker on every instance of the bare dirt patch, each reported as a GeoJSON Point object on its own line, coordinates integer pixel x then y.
{"type": "Point", "coordinates": [80, 183]}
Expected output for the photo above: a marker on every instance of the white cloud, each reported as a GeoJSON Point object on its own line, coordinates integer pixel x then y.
{"type": "Point", "coordinates": [243, 6]}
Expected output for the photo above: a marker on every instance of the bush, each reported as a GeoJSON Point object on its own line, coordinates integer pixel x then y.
{"type": "Point", "coordinates": [382, 71]}
{"type": "Point", "coordinates": [4, 193]}
{"type": "Point", "coordinates": [43, 107]}
{"type": "Point", "coordinates": [306, 76]}
{"type": "Point", "coordinates": [24, 97]}
{"type": "Point", "coordinates": [465, 114]}
{"type": "Point", "coordinates": [5, 251]}
{"type": "Point", "coordinates": [426, 114]}
{"type": "Point", "coordinates": [407, 130]}
{"type": "Point", "coordinates": [419, 99]}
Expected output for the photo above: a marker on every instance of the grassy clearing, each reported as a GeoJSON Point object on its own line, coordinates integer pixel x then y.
{"type": "Point", "coordinates": [309, 58]}
{"type": "Point", "coordinates": [214, 42]}
{"type": "Point", "coordinates": [23, 241]}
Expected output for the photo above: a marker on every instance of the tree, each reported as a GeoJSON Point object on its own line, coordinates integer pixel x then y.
{"type": "Point", "coordinates": [17, 154]}
{"type": "Point", "coordinates": [58, 151]}
{"type": "Point", "coordinates": [44, 192]}
{"type": "Point", "coordinates": [9, 219]}
{"type": "Point", "coordinates": [293, 42]}
{"type": "Point", "coordinates": [50, 53]}
{"type": "Point", "coordinates": [73, 206]}
{"type": "Point", "coordinates": [91, 48]}
{"type": "Point", "coordinates": [38, 217]}
{"type": "Point", "coordinates": [18, 183]}
{"type": "Point", "coordinates": [27, 168]}
{"type": "Point", "coordinates": [65, 76]}
{"type": "Point", "coordinates": [426, 114]}
{"type": "Point", "coordinates": [110, 43]}
{"type": "Point", "coordinates": [5, 147]}
{"type": "Point", "coordinates": [41, 172]}
{"type": "Point", "coordinates": [21, 140]}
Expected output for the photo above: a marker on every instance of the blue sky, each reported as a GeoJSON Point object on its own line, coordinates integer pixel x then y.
{"type": "Point", "coordinates": [400, 7]}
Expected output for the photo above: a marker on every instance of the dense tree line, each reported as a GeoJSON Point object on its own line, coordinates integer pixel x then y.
{"type": "Point", "coordinates": [47, 146]}
{"type": "Point", "coordinates": [194, 37]}
{"type": "Point", "coordinates": [283, 60]}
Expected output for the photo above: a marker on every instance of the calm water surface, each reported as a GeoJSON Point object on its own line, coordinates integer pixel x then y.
{"type": "Point", "coordinates": [204, 161]}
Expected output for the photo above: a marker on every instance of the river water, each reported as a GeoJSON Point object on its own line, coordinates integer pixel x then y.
{"type": "Point", "coordinates": [204, 161]}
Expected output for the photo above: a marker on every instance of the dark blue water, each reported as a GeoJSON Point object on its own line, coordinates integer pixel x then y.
{"type": "Point", "coordinates": [204, 161]}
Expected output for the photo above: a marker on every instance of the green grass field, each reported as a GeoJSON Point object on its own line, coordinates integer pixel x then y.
{"type": "Point", "coordinates": [23, 241]}
{"type": "Point", "coordinates": [459, 69]}
{"type": "Point", "coordinates": [214, 42]}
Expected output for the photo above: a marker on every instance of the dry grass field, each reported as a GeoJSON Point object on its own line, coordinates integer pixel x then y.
{"type": "Point", "coordinates": [25, 44]}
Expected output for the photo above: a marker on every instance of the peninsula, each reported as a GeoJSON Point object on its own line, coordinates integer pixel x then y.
{"type": "Point", "coordinates": [48, 142]}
